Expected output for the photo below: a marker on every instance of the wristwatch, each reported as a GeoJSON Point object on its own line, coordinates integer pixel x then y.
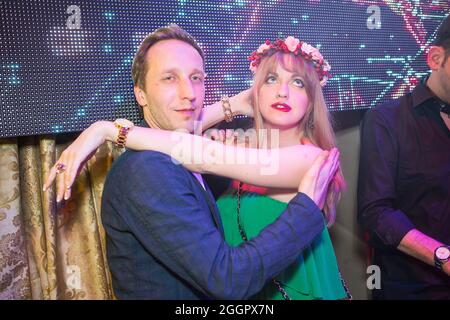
{"type": "Point", "coordinates": [441, 256]}
{"type": "Point", "coordinates": [124, 127]}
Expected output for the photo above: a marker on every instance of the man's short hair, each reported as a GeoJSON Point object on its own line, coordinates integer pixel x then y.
{"type": "Point", "coordinates": [171, 32]}
{"type": "Point", "coordinates": [443, 36]}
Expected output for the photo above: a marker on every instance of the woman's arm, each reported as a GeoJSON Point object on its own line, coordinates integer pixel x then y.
{"type": "Point", "coordinates": [273, 168]}
{"type": "Point", "coordinates": [240, 105]}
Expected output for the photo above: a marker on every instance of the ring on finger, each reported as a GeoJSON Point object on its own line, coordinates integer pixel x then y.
{"type": "Point", "coordinates": [60, 167]}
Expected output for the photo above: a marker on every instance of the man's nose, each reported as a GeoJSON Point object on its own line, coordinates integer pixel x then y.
{"type": "Point", "coordinates": [186, 90]}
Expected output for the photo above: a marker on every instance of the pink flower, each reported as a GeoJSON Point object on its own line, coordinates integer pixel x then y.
{"type": "Point", "coordinates": [253, 67]}
{"type": "Point", "coordinates": [316, 55]}
{"type": "Point", "coordinates": [291, 43]}
{"type": "Point", "coordinates": [308, 49]}
{"type": "Point", "coordinates": [263, 47]}
{"type": "Point", "coordinates": [326, 66]}
{"type": "Point", "coordinates": [324, 81]}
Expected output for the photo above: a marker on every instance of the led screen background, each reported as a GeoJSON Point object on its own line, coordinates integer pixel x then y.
{"type": "Point", "coordinates": [58, 79]}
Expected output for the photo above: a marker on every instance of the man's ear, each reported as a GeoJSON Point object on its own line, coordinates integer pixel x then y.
{"type": "Point", "coordinates": [139, 94]}
{"type": "Point", "coordinates": [435, 57]}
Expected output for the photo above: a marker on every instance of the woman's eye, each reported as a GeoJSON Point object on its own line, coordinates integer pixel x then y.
{"type": "Point", "coordinates": [169, 78]}
{"type": "Point", "coordinates": [271, 79]}
{"type": "Point", "coordinates": [298, 82]}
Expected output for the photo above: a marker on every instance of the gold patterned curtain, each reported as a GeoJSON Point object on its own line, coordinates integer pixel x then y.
{"type": "Point", "coordinates": [50, 250]}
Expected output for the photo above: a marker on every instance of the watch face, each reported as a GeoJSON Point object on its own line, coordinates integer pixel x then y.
{"type": "Point", "coordinates": [442, 253]}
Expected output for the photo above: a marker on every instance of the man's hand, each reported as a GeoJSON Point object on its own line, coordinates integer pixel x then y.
{"type": "Point", "coordinates": [317, 179]}
{"type": "Point", "coordinates": [446, 268]}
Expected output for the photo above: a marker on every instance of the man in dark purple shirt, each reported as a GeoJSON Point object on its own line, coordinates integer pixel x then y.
{"type": "Point", "coordinates": [404, 184]}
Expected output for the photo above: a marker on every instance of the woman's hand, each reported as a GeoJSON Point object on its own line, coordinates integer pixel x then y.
{"type": "Point", "coordinates": [242, 103]}
{"type": "Point", "coordinates": [317, 179]}
{"type": "Point", "coordinates": [74, 157]}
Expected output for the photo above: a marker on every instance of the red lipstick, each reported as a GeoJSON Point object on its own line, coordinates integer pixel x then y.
{"type": "Point", "coordinates": [283, 107]}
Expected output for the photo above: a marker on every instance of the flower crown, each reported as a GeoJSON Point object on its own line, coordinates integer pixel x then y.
{"type": "Point", "coordinates": [296, 47]}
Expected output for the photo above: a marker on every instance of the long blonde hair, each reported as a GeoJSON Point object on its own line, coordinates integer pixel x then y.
{"type": "Point", "coordinates": [316, 123]}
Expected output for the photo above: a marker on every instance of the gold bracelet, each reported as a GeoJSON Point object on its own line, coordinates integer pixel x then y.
{"type": "Point", "coordinates": [229, 115]}
{"type": "Point", "coordinates": [124, 127]}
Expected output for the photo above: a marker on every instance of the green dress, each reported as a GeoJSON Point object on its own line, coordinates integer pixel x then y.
{"type": "Point", "coordinates": [314, 275]}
